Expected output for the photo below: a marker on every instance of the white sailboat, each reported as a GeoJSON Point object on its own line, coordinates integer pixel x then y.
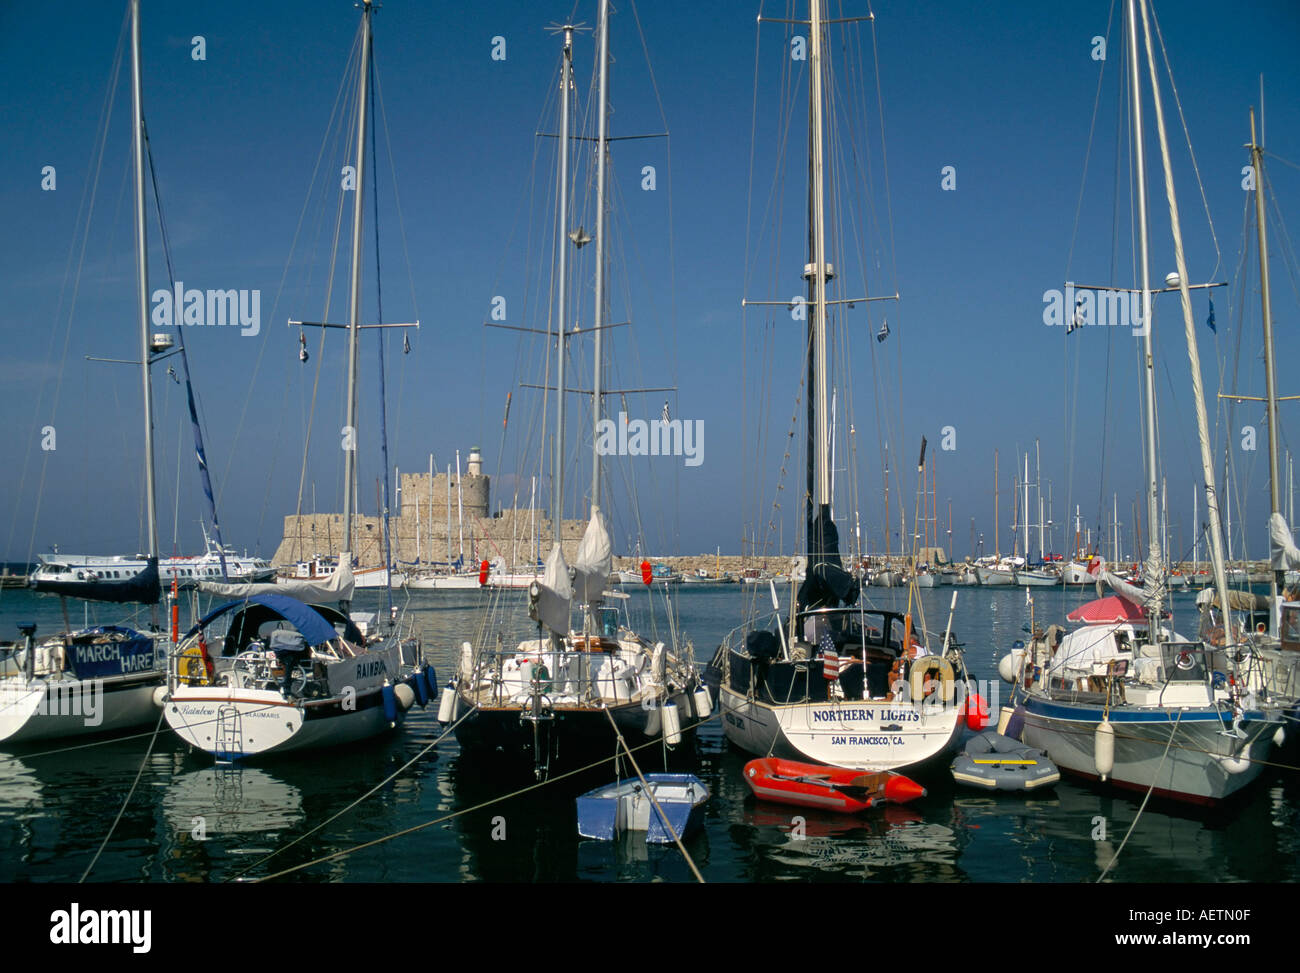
{"type": "Point", "coordinates": [1123, 699]}
{"type": "Point", "coordinates": [290, 675]}
{"type": "Point", "coordinates": [99, 679]}
{"type": "Point", "coordinates": [565, 694]}
{"type": "Point", "coordinates": [837, 682]}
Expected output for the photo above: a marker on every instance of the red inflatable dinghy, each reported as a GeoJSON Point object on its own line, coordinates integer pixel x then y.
{"type": "Point", "coordinates": [829, 788]}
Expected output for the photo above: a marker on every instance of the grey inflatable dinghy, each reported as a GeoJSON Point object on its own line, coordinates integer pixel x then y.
{"type": "Point", "coordinates": [992, 762]}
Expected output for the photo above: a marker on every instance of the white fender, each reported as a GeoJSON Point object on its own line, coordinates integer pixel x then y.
{"type": "Point", "coordinates": [1104, 748]}
{"type": "Point", "coordinates": [405, 695]}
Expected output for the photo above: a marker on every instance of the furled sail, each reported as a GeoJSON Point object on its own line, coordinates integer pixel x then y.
{"type": "Point", "coordinates": [826, 584]}
{"type": "Point", "coordinates": [1284, 555]}
{"type": "Point", "coordinates": [337, 587]}
{"type": "Point", "coordinates": [595, 561]}
{"type": "Point", "coordinates": [550, 605]}
{"type": "Point", "coordinates": [143, 588]}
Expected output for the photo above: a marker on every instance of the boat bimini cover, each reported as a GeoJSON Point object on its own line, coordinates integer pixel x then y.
{"type": "Point", "coordinates": [314, 628]}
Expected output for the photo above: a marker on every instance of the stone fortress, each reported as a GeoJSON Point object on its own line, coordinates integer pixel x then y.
{"type": "Point", "coordinates": [430, 517]}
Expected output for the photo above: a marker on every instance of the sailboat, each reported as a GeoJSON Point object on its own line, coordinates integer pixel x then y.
{"type": "Point", "coordinates": [291, 675]}
{"type": "Point", "coordinates": [836, 683]}
{"type": "Point", "coordinates": [103, 678]}
{"type": "Point", "coordinates": [1123, 699]}
{"type": "Point", "coordinates": [1277, 645]}
{"type": "Point", "coordinates": [571, 692]}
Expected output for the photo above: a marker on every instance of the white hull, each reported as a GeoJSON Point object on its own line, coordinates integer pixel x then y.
{"type": "Point", "coordinates": [185, 571]}
{"type": "Point", "coordinates": [444, 582]}
{"type": "Point", "coordinates": [1076, 573]}
{"type": "Point", "coordinates": [1036, 579]}
{"type": "Point", "coordinates": [377, 578]}
{"type": "Point", "coordinates": [54, 709]}
{"type": "Point", "coordinates": [232, 724]}
{"type": "Point", "coordinates": [858, 735]}
{"type": "Point", "coordinates": [1204, 764]}
{"type": "Point", "coordinates": [886, 579]}
{"type": "Point", "coordinates": [995, 576]}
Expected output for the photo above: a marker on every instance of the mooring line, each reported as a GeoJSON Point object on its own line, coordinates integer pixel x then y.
{"type": "Point", "coordinates": [655, 801]}
{"type": "Point", "coordinates": [391, 777]}
{"type": "Point", "coordinates": [455, 814]}
{"type": "Point", "coordinates": [1150, 791]}
{"type": "Point", "coordinates": [122, 809]}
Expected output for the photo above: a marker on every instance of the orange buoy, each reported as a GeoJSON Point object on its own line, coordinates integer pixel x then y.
{"type": "Point", "coordinates": [647, 575]}
{"type": "Point", "coordinates": [483, 572]}
{"type": "Point", "coordinates": [977, 712]}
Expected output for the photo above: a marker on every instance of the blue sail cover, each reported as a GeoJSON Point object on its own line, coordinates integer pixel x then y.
{"type": "Point", "coordinates": [315, 629]}
{"type": "Point", "coordinates": [826, 584]}
{"type": "Point", "coordinates": [132, 653]}
{"type": "Point", "coordinates": [144, 588]}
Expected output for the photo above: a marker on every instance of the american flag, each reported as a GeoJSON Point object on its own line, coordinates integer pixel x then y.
{"type": "Point", "coordinates": [831, 662]}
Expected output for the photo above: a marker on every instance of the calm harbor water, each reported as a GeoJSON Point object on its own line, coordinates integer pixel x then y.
{"type": "Point", "coordinates": [56, 807]}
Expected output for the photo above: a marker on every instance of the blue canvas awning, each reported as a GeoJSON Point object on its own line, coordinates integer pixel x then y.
{"type": "Point", "coordinates": [314, 628]}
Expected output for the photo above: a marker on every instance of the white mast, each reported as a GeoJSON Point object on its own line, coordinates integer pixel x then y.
{"type": "Point", "coordinates": [1038, 485]}
{"type": "Point", "coordinates": [460, 506]}
{"type": "Point", "coordinates": [1024, 510]}
{"type": "Point", "coordinates": [561, 299]}
{"type": "Point", "coordinates": [1277, 578]}
{"type": "Point", "coordinates": [354, 303]}
{"type": "Point", "coordinates": [142, 279]}
{"type": "Point", "coordinates": [448, 515]}
{"type": "Point", "coordinates": [1193, 353]}
{"type": "Point", "coordinates": [1154, 573]}
{"type": "Point", "coordinates": [598, 320]}
{"type": "Point", "coordinates": [1196, 534]}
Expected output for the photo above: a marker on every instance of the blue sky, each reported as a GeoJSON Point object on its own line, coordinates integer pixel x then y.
{"type": "Point", "coordinates": [1004, 96]}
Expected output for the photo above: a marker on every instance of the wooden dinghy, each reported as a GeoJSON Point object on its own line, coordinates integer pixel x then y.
{"type": "Point", "coordinates": [828, 788]}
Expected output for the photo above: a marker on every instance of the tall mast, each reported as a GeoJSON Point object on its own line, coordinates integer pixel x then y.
{"type": "Point", "coordinates": [1038, 486]}
{"type": "Point", "coordinates": [1193, 353]}
{"type": "Point", "coordinates": [602, 150]}
{"type": "Point", "coordinates": [354, 303]}
{"type": "Point", "coordinates": [557, 477]}
{"type": "Point", "coordinates": [818, 269]}
{"type": "Point", "coordinates": [1155, 570]}
{"type": "Point", "coordinates": [1196, 535]}
{"type": "Point", "coordinates": [1024, 510]}
{"type": "Point", "coordinates": [997, 544]}
{"type": "Point", "coordinates": [142, 278]}
{"type": "Point", "coordinates": [1278, 579]}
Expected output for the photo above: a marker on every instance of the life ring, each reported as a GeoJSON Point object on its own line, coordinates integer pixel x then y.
{"type": "Point", "coordinates": [925, 670]}
{"type": "Point", "coordinates": [1185, 661]}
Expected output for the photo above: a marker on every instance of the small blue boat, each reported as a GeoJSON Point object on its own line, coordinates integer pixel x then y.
{"type": "Point", "coordinates": [610, 811]}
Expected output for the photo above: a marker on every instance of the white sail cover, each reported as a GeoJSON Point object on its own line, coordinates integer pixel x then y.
{"type": "Point", "coordinates": [337, 587]}
{"type": "Point", "coordinates": [595, 561]}
{"type": "Point", "coordinates": [551, 607]}
{"type": "Point", "coordinates": [1284, 555]}
{"type": "Point", "coordinates": [1139, 596]}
